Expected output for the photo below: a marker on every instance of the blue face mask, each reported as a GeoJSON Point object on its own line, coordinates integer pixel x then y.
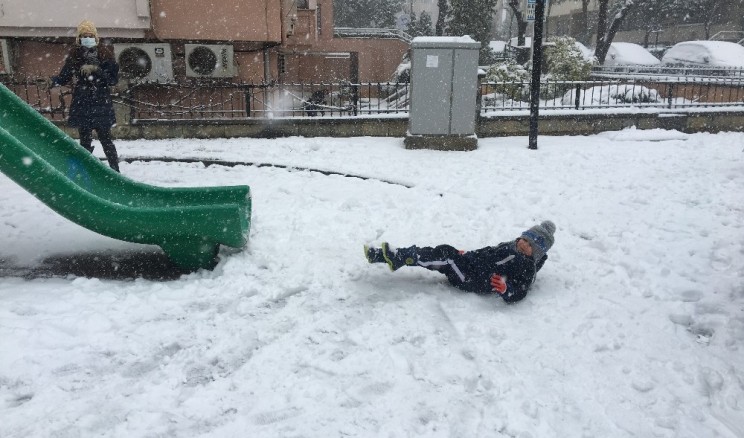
{"type": "Point", "coordinates": [88, 42]}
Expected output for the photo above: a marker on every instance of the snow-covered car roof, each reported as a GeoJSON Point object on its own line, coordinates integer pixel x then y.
{"type": "Point", "coordinates": [586, 52]}
{"type": "Point", "coordinates": [707, 53]}
{"type": "Point", "coordinates": [629, 54]}
{"type": "Point", "coordinates": [497, 46]}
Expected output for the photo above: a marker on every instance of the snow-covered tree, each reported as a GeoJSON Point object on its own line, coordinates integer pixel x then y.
{"type": "Point", "coordinates": [646, 15]}
{"type": "Point", "coordinates": [705, 12]}
{"type": "Point", "coordinates": [653, 16]}
{"type": "Point", "coordinates": [441, 26]}
{"type": "Point", "coordinates": [420, 27]}
{"type": "Point", "coordinates": [518, 15]}
{"type": "Point", "coordinates": [586, 35]}
{"type": "Point", "coordinates": [607, 27]}
{"type": "Point", "coordinates": [473, 17]}
{"type": "Point", "coordinates": [365, 13]}
{"type": "Point", "coordinates": [564, 60]}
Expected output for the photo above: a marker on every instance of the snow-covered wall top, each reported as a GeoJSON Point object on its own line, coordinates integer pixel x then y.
{"type": "Point", "coordinates": [36, 18]}
{"type": "Point", "coordinates": [464, 41]}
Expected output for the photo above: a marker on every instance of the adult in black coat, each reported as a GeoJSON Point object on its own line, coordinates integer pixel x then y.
{"type": "Point", "coordinates": [508, 269]}
{"type": "Point", "coordinates": [91, 70]}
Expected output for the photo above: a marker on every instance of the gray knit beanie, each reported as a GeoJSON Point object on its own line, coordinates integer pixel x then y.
{"type": "Point", "coordinates": [540, 238]}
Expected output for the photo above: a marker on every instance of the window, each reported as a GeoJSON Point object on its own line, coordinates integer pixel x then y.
{"type": "Point", "coordinates": [302, 4]}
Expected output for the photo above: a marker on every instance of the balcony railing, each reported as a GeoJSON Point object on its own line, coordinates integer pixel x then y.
{"type": "Point", "coordinates": [353, 32]}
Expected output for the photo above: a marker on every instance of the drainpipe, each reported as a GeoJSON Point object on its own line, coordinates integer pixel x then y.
{"type": "Point", "coordinates": [267, 78]}
{"type": "Point", "coordinates": [267, 69]}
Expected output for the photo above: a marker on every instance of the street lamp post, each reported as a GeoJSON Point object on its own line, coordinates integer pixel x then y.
{"type": "Point", "coordinates": [536, 70]}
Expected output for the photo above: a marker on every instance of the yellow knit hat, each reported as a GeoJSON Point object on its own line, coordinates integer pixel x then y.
{"type": "Point", "coordinates": [86, 26]}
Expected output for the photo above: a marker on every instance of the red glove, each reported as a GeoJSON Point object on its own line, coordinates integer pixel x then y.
{"type": "Point", "coordinates": [498, 283]}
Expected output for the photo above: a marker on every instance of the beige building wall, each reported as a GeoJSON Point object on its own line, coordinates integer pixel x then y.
{"type": "Point", "coordinates": [210, 20]}
{"type": "Point", "coordinates": [312, 51]}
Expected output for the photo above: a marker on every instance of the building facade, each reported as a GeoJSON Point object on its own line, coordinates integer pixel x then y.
{"type": "Point", "coordinates": [172, 41]}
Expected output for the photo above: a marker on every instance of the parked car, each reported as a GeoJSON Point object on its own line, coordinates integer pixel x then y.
{"type": "Point", "coordinates": [705, 54]}
{"type": "Point", "coordinates": [629, 54]}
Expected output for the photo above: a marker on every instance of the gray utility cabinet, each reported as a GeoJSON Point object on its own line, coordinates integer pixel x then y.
{"type": "Point", "coordinates": [444, 85]}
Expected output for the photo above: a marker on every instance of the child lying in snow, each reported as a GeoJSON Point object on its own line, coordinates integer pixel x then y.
{"type": "Point", "coordinates": [508, 269]}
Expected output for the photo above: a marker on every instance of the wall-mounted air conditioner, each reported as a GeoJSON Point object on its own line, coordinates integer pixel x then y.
{"type": "Point", "coordinates": [5, 64]}
{"type": "Point", "coordinates": [209, 60]}
{"type": "Point", "coordinates": [145, 62]}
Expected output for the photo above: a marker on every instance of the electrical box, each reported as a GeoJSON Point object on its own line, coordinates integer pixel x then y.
{"type": "Point", "coordinates": [444, 87]}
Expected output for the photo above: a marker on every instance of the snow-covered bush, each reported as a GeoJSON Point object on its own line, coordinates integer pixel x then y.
{"type": "Point", "coordinates": [613, 94]}
{"type": "Point", "coordinates": [488, 56]}
{"type": "Point", "coordinates": [564, 60]}
{"type": "Point", "coordinates": [507, 70]}
{"type": "Point", "coordinates": [515, 76]}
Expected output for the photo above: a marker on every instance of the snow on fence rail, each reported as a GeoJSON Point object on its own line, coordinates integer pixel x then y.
{"type": "Point", "coordinates": [660, 93]}
{"type": "Point", "coordinates": [229, 101]}
{"type": "Point", "coordinates": [666, 72]}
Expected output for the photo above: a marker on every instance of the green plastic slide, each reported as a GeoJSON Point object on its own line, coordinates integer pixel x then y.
{"type": "Point", "coordinates": [188, 223]}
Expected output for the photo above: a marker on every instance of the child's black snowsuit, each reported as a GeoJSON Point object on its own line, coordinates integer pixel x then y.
{"type": "Point", "coordinates": [472, 270]}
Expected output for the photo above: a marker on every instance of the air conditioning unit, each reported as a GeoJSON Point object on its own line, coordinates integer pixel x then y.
{"type": "Point", "coordinates": [145, 62]}
{"type": "Point", "coordinates": [5, 64]}
{"type": "Point", "coordinates": [209, 60]}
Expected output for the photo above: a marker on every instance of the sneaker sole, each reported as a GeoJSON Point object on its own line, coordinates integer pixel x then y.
{"type": "Point", "coordinates": [385, 246]}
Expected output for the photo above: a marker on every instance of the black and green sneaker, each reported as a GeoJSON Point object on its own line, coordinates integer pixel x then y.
{"type": "Point", "coordinates": [396, 258]}
{"type": "Point", "coordinates": [374, 255]}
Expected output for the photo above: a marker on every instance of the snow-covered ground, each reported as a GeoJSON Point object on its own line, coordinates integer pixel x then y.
{"type": "Point", "coordinates": [634, 328]}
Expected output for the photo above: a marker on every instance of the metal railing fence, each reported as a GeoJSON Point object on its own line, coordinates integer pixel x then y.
{"type": "Point", "coordinates": [225, 101]}
{"type": "Point", "coordinates": [237, 101]}
{"type": "Point", "coordinates": [583, 95]}
{"type": "Point", "coordinates": [667, 72]}
{"type": "Point", "coordinates": [52, 103]}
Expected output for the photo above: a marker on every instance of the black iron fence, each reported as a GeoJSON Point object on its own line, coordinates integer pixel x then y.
{"type": "Point", "coordinates": [53, 103]}
{"type": "Point", "coordinates": [217, 101]}
{"type": "Point", "coordinates": [647, 93]}
{"type": "Point", "coordinates": [666, 71]}
{"type": "Point", "coordinates": [235, 101]}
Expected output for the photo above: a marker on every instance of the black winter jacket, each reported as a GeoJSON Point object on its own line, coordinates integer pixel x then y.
{"type": "Point", "coordinates": [504, 259]}
{"type": "Point", "coordinates": [91, 105]}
